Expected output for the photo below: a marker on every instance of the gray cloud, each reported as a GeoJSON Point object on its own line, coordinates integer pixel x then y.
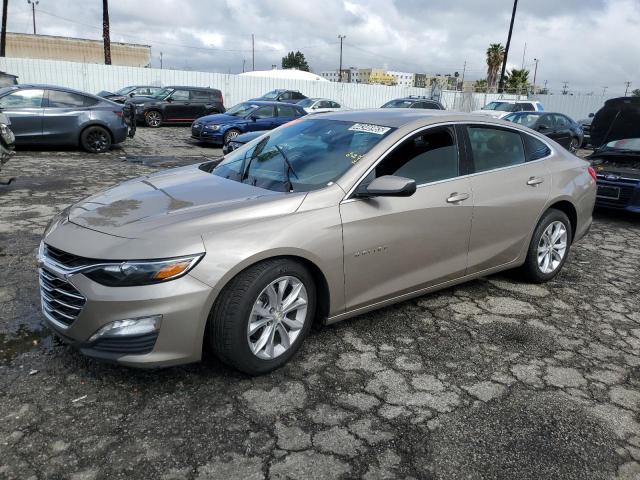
{"type": "Point", "coordinates": [589, 43]}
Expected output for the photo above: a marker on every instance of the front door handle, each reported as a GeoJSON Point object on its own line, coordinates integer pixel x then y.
{"type": "Point", "coordinates": [534, 181]}
{"type": "Point", "coordinates": [456, 197]}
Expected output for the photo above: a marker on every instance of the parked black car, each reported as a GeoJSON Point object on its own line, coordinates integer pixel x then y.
{"type": "Point", "coordinates": [240, 140]}
{"type": "Point", "coordinates": [52, 115]}
{"type": "Point", "coordinates": [280, 95]}
{"type": "Point", "coordinates": [414, 102]}
{"type": "Point", "coordinates": [585, 123]}
{"type": "Point", "coordinates": [125, 93]}
{"type": "Point", "coordinates": [615, 135]}
{"type": "Point", "coordinates": [556, 126]}
{"type": "Point", "coordinates": [176, 104]}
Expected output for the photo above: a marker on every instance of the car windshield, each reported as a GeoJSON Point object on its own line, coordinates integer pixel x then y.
{"type": "Point", "coordinates": [162, 94]}
{"type": "Point", "coordinates": [303, 155]}
{"type": "Point", "coordinates": [272, 94]}
{"type": "Point", "coordinates": [398, 104]}
{"type": "Point", "coordinates": [307, 102]}
{"type": "Point", "coordinates": [526, 119]}
{"type": "Point", "coordinates": [241, 109]}
{"type": "Point", "coordinates": [501, 106]}
{"type": "Point", "coordinates": [626, 144]}
{"type": "Point", "coordinates": [125, 90]}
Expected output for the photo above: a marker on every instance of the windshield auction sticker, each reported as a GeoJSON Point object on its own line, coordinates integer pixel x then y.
{"type": "Point", "coordinates": [367, 127]}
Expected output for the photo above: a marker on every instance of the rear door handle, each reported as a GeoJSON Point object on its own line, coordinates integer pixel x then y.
{"type": "Point", "coordinates": [534, 181]}
{"type": "Point", "coordinates": [456, 197]}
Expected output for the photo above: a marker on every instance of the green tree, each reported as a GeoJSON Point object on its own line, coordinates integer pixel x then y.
{"type": "Point", "coordinates": [636, 92]}
{"type": "Point", "coordinates": [295, 60]}
{"type": "Point", "coordinates": [495, 56]}
{"type": "Point", "coordinates": [480, 86]}
{"type": "Point", "coordinates": [517, 81]}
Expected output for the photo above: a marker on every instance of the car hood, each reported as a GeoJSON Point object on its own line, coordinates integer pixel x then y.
{"type": "Point", "coordinates": [105, 94]}
{"type": "Point", "coordinates": [617, 120]}
{"type": "Point", "coordinates": [491, 113]}
{"type": "Point", "coordinates": [141, 99]}
{"type": "Point", "coordinates": [219, 119]}
{"type": "Point", "coordinates": [181, 201]}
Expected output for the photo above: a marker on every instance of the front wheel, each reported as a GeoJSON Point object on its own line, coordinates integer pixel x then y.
{"type": "Point", "coordinates": [262, 316]}
{"type": "Point", "coordinates": [230, 135]}
{"type": "Point", "coordinates": [549, 247]}
{"type": "Point", "coordinates": [153, 118]}
{"type": "Point", "coordinates": [95, 139]}
{"type": "Point", "coordinates": [574, 144]}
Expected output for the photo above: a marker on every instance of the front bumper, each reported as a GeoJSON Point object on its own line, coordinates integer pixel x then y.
{"type": "Point", "coordinates": [207, 136]}
{"type": "Point", "coordinates": [627, 198]}
{"type": "Point", "coordinates": [183, 305]}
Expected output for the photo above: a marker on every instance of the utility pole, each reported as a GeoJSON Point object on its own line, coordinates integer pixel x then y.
{"type": "Point", "coordinates": [33, 4]}
{"type": "Point", "coordinates": [243, 60]}
{"type": "Point", "coordinates": [545, 87]}
{"type": "Point", "coordinates": [626, 90]}
{"type": "Point", "coordinates": [341, 37]}
{"type": "Point", "coordinates": [506, 49]}
{"type": "Point", "coordinates": [524, 52]}
{"type": "Point", "coordinates": [253, 54]}
{"type": "Point", "coordinates": [604, 89]}
{"type": "Point", "coordinates": [535, 74]}
{"type": "Point", "coordinates": [464, 69]}
{"type": "Point", "coordinates": [106, 36]}
{"type": "Point", "coordinates": [3, 34]}
{"type": "Point", "coordinates": [160, 60]}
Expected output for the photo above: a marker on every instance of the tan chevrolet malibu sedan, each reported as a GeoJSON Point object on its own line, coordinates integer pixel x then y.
{"type": "Point", "coordinates": [322, 219]}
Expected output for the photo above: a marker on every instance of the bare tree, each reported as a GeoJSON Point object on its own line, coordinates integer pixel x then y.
{"type": "Point", "coordinates": [105, 32]}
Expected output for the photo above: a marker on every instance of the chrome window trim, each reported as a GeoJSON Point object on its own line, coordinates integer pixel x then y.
{"type": "Point", "coordinates": [347, 198]}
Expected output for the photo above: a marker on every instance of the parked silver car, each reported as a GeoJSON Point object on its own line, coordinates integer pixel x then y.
{"type": "Point", "coordinates": [50, 115]}
{"type": "Point", "coordinates": [321, 219]}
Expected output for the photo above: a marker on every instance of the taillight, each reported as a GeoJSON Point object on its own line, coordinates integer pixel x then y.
{"type": "Point", "coordinates": [593, 173]}
{"type": "Point", "coordinates": [120, 114]}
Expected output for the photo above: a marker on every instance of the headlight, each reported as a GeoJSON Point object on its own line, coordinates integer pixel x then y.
{"type": "Point", "coordinates": [212, 127]}
{"type": "Point", "coordinates": [147, 272]}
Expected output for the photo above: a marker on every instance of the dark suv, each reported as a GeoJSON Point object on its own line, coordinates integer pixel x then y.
{"type": "Point", "coordinates": [414, 102]}
{"type": "Point", "coordinates": [281, 95]}
{"type": "Point", "coordinates": [176, 105]}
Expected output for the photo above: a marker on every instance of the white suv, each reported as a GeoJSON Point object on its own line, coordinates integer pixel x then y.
{"type": "Point", "coordinates": [501, 108]}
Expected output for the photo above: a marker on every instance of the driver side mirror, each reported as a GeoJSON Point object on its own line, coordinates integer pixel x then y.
{"type": "Point", "coordinates": [591, 115]}
{"type": "Point", "coordinates": [132, 94]}
{"type": "Point", "coordinates": [169, 99]}
{"type": "Point", "coordinates": [387, 186]}
{"type": "Point", "coordinates": [253, 118]}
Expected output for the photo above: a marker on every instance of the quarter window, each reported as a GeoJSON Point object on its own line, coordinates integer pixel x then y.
{"type": "Point", "coordinates": [535, 148]}
{"type": "Point", "coordinates": [199, 95]}
{"type": "Point", "coordinates": [58, 99]}
{"type": "Point", "coordinates": [495, 148]}
{"type": "Point", "coordinates": [426, 157]}
{"type": "Point", "coordinates": [23, 99]}
{"type": "Point", "coordinates": [561, 121]}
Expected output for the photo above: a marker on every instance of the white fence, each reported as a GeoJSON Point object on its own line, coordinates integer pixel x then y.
{"type": "Point", "coordinates": [91, 77]}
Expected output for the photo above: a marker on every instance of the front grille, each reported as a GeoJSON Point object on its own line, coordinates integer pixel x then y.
{"type": "Point", "coordinates": [625, 198]}
{"type": "Point", "coordinates": [68, 260]}
{"type": "Point", "coordinates": [60, 300]}
{"type": "Point", "coordinates": [133, 345]}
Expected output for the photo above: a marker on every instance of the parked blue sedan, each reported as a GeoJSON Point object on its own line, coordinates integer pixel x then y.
{"type": "Point", "coordinates": [244, 117]}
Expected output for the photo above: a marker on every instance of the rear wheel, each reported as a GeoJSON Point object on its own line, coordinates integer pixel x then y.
{"type": "Point", "coordinates": [549, 247]}
{"type": "Point", "coordinates": [574, 144]}
{"type": "Point", "coordinates": [95, 139]}
{"type": "Point", "coordinates": [262, 316]}
{"type": "Point", "coordinates": [230, 135]}
{"type": "Point", "coordinates": [153, 118]}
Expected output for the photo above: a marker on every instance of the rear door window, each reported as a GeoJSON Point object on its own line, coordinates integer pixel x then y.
{"type": "Point", "coordinates": [494, 148]}
{"type": "Point", "coordinates": [527, 107]}
{"type": "Point", "coordinates": [32, 98]}
{"type": "Point", "coordinates": [263, 112]}
{"type": "Point", "coordinates": [285, 96]}
{"type": "Point", "coordinates": [199, 96]}
{"type": "Point", "coordinates": [180, 95]}
{"type": "Point", "coordinates": [59, 99]}
{"type": "Point", "coordinates": [286, 111]}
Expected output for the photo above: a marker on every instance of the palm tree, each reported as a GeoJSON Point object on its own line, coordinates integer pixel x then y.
{"type": "Point", "coordinates": [495, 56]}
{"type": "Point", "coordinates": [517, 81]}
{"type": "Point", "coordinates": [480, 86]}
{"type": "Point", "coordinates": [105, 32]}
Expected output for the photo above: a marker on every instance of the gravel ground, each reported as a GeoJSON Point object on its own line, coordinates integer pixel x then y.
{"type": "Point", "coordinates": [491, 379]}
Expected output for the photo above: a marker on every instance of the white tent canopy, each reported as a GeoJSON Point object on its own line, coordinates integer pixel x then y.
{"type": "Point", "coordinates": [286, 74]}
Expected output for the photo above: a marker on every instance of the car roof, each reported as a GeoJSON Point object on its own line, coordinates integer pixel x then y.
{"type": "Point", "coordinates": [186, 87]}
{"type": "Point", "coordinates": [45, 86]}
{"type": "Point", "coordinates": [398, 117]}
{"type": "Point", "coordinates": [270, 103]}
{"type": "Point", "coordinates": [508, 100]}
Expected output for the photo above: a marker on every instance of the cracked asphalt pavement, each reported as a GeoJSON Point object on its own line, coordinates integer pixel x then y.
{"type": "Point", "coordinates": [491, 379]}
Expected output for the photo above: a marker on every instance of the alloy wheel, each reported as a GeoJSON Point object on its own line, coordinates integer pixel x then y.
{"type": "Point", "coordinates": [97, 140]}
{"type": "Point", "coordinates": [574, 145]}
{"type": "Point", "coordinates": [230, 135]}
{"type": "Point", "coordinates": [277, 317]}
{"type": "Point", "coordinates": [153, 119]}
{"type": "Point", "coordinates": [552, 247]}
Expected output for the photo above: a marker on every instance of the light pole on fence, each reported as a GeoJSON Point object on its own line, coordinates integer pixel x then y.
{"type": "Point", "coordinates": [341, 37]}
{"type": "Point", "coordinates": [535, 74]}
{"type": "Point", "coordinates": [33, 4]}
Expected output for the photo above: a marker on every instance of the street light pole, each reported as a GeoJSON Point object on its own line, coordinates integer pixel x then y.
{"type": "Point", "coordinates": [535, 74]}
{"type": "Point", "coordinates": [506, 49]}
{"type": "Point", "coordinates": [341, 37]}
{"type": "Point", "coordinates": [33, 4]}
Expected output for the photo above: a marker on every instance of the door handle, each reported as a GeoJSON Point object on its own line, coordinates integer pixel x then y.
{"type": "Point", "coordinates": [534, 181]}
{"type": "Point", "coordinates": [456, 197]}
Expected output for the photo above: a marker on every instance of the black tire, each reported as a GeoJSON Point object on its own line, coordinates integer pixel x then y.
{"type": "Point", "coordinates": [229, 317]}
{"type": "Point", "coordinates": [95, 139]}
{"type": "Point", "coordinates": [153, 119]}
{"type": "Point", "coordinates": [574, 144]}
{"type": "Point", "coordinates": [229, 134]}
{"type": "Point", "coordinates": [531, 270]}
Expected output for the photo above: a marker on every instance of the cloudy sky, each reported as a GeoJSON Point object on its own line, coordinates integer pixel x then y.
{"type": "Point", "coordinates": [588, 43]}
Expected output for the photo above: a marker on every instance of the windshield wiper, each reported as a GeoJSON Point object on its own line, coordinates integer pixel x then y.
{"type": "Point", "coordinates": [288, 169]}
